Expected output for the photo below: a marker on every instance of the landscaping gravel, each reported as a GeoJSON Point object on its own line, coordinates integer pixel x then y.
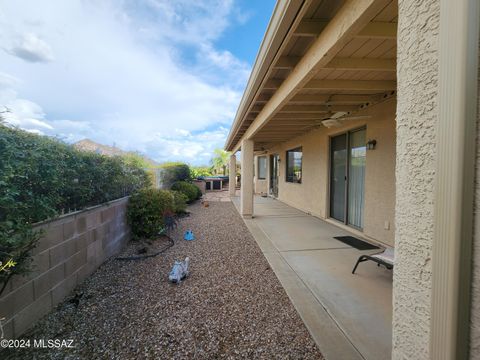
{"type": "Point", "coordinates": [231, 306]}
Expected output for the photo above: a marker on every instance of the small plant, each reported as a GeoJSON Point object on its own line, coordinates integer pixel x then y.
{"type": "Point", "coordinates": [17, 240]}
{"type": "Point", "coordinates": [146, 210]}
{"type": "Point", "coordinates": [191, 191]}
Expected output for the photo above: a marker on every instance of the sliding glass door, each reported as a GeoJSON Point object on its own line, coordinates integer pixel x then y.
{"type": "Point", "coordinates": [356, 177]}
{"type": "Point", "coordinates": [338, 176]}
{"type": "Point", "coordinates": [347, 179]}
{"type": "Point", "coordinates": [274, 175]}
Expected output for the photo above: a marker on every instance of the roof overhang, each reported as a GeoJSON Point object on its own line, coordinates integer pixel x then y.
{"type": "Point", "coordinates": [318, 60]}
{"type": "Point", "coordinates": [284, 14]}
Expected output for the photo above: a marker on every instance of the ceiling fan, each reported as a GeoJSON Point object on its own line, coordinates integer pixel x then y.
{"type": "Point", "coordinates": [336, 119]}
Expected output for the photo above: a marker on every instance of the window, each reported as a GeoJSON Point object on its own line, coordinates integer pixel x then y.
{"type": "Point", "coordinates": [262, 167]}
{"type": "Point", "coordinates": [294, 165]}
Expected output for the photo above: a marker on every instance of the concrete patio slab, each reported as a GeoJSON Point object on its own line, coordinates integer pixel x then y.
{"type": "Point", "coordinates": [360, 304]}
{"type": "Point", "coordinates": [301, 233]}
{"type": "Point", "coordinates": [349, 316]}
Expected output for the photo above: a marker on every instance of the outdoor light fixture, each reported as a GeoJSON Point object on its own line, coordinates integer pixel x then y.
{"type": "Point", "coordinates": [371, 144]}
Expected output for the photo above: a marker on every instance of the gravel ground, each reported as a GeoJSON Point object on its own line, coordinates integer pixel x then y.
{"type": "Point", "coordinates": [231, 306]}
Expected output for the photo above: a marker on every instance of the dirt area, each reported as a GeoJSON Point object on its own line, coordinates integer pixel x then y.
{"type": "Point", "coordinates": [231, 305]}
{"type": "Point", "coordinates": [223, 195]}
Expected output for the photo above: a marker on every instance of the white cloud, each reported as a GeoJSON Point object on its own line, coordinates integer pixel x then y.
{"type": "Point", "coordinates": [7, 81]}
{"type": "Point", "coordinates": [144, 74]}
{"type": "Point", "coordinates": [30, 47]}
{"type": "Point", "coordinates": [194, 148]}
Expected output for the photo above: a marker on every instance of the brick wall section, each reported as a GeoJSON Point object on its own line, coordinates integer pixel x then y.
{"type": "Point", "coordinates": [73, 247]}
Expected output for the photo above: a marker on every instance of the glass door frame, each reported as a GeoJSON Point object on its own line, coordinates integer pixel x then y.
{"type": "Point", "coordinates": [274, 158]}
{"type": "Point", "coordinates": [347, 176]}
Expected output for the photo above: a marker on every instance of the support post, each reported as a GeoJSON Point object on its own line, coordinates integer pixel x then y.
{"type": "Point", "coordinates": [454, 179]}
{"type": "Point", "coordinates": [232, 181]}
{"type": "Point", "coordinates": [246, 191]}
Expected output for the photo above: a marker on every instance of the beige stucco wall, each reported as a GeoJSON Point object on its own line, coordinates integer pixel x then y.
{"type": "Point", "coordinates": [417, 74]}
{"type": "Point", "coordinates": [312, 195]}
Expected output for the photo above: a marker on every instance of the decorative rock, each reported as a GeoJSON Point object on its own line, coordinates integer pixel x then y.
{"type": "Point", "coordinates": [230, 307]}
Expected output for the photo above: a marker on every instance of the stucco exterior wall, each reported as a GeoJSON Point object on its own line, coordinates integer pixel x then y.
{"type": "Point", "coordinates": [417, 77]}
{"type": "Point", "coordinates": [312, 195]}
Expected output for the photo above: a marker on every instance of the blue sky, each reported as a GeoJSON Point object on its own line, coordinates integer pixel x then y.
{"type": "Point", "coordinates": [161, 77]}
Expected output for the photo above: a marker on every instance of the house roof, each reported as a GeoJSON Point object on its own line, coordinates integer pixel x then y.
{"type": "Point", "coordinates": [319, 59]}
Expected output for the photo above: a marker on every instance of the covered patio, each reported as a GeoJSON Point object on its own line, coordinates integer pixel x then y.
{"type": "Point", "coordinates": [349, 316]}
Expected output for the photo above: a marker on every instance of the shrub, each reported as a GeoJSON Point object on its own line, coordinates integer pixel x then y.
{"type": "Point", "coordinates": [191, 191]}
{"type": "Point", "coordinates": [146, 210]}
{"type": "Point", "coordinates": [179, 202]}
{"type": "Point", "coordinates": [173, 172]}
{"type": "Point", "coordinates": [40, 178]}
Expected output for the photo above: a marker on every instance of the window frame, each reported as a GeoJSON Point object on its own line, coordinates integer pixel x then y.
{"type": "Point", "coordinates": [258, 168]}
{"type": "Point", "coordinates": [297, 149]}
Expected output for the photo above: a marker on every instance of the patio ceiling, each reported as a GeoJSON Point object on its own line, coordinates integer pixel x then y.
{"type": "Point", "coordinates": [336, 58]}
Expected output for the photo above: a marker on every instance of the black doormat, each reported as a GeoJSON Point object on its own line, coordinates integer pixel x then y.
{"type": "Point", "coordinates": [356, 243]}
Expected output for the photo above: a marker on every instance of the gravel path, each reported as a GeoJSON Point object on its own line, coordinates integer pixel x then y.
{"type": "Point", "coordinates": [231, 306]}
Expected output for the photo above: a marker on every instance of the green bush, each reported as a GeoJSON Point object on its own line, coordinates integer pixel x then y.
{"type": "Point", "coordinates": [191, 191]}
{"type": "Point", "coordinates": [146, 210]}
{"type": "Point", "coordinates": [41, 177]}
{"type": "Point", "coordinates": [179, 202]}
{"type": "Point", "coordinates": [173, 172]}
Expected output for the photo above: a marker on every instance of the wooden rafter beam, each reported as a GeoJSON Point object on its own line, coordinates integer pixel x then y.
{"type": "Point", "coordinates": [362, 64]}
{"type": "Point", "coordinates": [372, 30]}
{"type": "Point", "coordinates": [326, 99]}
{"type": "Point", "coordinates": [317, 108]}
{"type": "Point", "coordinates": [262, 98]}
{"type": "Point", "coordinates": [358, 64]}
{"type": "Point", "coordinates": [256, 108]}
{"type": "Point", "coordinates": [287, 62]}
{"type": "Point", "coordinates": [292, 125]}
{"type": "Point", "coordinates": [379, 30]}
{"type": "Point", "coordinates": [365, 85]}
{"type": "Point", "coordinates": [272, 84]}
{"type": "Point", "coordinates": [310, 27]}
{"type": "Point", "coordinates": [297, 116]}
{"type": "Point", "coordinates": [278, 137]}
{"type": "Point", "coordinates": [276, 132]}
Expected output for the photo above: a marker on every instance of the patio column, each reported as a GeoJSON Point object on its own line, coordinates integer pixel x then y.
{"type": "Point", "coordinates": [232, 182]}
{"type": "Point", "coordinates": [246, 191]}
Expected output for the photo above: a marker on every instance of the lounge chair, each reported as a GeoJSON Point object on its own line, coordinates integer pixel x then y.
{"type": "Point", "coordinates": [385, 258]}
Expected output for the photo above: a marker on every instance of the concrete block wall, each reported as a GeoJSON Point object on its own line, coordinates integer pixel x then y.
{"type": "Point", "coordinates": [72, 248]}
{"type": "Point", "coordinates": [201, 185]}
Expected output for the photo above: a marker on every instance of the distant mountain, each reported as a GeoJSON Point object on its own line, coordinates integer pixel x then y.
{"type": "Point", "coordinates": [92, 146]}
